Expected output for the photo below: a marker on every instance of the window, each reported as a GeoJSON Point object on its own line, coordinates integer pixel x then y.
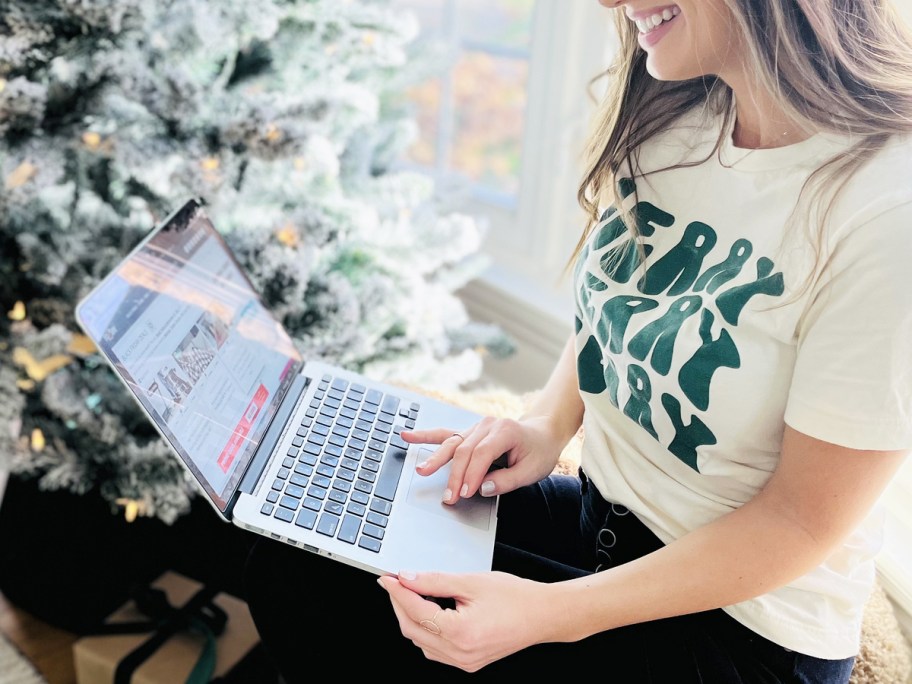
{"type": "Point", "coordinates": [472, 116]}
{"type": "Point", "coordinates": [508, 120]}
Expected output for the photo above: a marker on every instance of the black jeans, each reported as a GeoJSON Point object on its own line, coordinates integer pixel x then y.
{"type": "Point", "coordinates": [310, 610]}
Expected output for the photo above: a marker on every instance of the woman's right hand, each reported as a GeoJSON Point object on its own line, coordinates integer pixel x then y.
{"type": "Point", "coordinates": [529, 446]}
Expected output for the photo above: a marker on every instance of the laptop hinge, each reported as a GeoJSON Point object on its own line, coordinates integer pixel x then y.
{"type": "Point", "coordinates": [267, 445]}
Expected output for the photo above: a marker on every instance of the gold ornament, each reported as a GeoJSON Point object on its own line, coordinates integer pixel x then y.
{"type": "Point", "coordinates": [38, 442]}
{"type": "Point", "coordinates": [273, 133]}
{"type": "Point", "coordinates": [132, 508]}
{"type": "Point", "coordinates": [17, 313]}
{"type": "Point", "coordinates": [81, 345]}
{"type": "Point", "coordinates": [92, 140]}
{"type": "Point", "coordinates": [39, 370]}
{"type": "Point", "coordinates": [210, 164]}
{"type": "Point", "coordinates": [21, 175]}
{"type": "Point", "coordinates": [287, 235]}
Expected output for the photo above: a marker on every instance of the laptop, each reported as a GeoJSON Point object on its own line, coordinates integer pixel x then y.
{"type": "Point", "coordinates": [294, 449]}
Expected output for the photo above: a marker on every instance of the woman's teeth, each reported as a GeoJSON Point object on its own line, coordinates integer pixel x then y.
{"type": "Point", "coordinates": [651, 23]}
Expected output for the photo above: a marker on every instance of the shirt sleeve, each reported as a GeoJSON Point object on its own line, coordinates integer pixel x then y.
{"type": "Point", "coordinates": [852, 383]}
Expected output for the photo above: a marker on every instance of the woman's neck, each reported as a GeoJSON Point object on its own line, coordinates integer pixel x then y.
{"type": "Point", "coordinates": [760, 123]}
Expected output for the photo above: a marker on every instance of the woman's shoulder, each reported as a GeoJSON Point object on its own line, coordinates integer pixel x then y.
{"type": "Point", "coordinates": [880, 185]}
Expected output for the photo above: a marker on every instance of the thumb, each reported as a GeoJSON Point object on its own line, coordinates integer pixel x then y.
{"type": "Point", "coordinates": [434, 584]}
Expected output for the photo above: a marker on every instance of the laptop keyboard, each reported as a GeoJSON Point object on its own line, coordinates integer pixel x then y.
{"type": "Point", "coordinates": [342, 471]}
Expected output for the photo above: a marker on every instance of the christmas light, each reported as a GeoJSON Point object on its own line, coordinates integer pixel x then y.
{"type": "Point", "coordinates": [39, 370]}
{"type": "Point", "coordinates": [17, 313]}
{"type": "Point", "coordinates": [132, 508]}
{"type": "Point", "coordinates": [287, 235]}
{"type": "Point", "coordinates": [38, 442]}
{"type": "Point", "coordinates": [21, 175]}
{"type": "Point", "coordinates": [91, 139]}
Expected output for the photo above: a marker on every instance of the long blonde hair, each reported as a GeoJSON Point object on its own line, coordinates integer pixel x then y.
{"type": "Point", "coordinates": [841, 66]}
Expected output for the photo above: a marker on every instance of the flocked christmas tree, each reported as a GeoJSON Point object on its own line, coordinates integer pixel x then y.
{"type": "Point", "coordinates": [288, 119]}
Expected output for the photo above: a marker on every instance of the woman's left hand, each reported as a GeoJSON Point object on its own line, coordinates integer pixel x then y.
{"type": "Point", "coordinates": [496, 614]}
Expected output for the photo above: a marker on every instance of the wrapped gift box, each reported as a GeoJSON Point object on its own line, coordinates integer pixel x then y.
{"type": "Point", "coordinates": [97, 656]}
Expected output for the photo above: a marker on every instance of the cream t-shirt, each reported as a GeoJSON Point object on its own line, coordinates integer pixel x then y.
{"type": "Point", "coordinates": [691, 363]}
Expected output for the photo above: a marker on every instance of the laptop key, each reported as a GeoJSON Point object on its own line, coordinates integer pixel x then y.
{"type": "Point", "coordinates": [342, 485]}
{"type": "Point", "coordinates": [278, 484]}
{"type": "Point", "coordinates": [306, 519]}
{"type": "Point", "coordinates": [363, 486]}
{"type": "Point", "coordinates": [390, 472]}
{"type": "Point", "coordinates": [369, 544]}
{"type": "Point", "coordinates": [297, 491]}
{"type": "Point", "coordinates": [337, 495]}
{"type": "Point", "coordinates": [315, 492]}
{"type": "Point", "coordinates": [374, 531]}
{"type": "Point", "coordinates": [381, 506]}
{"type": "Point", "coordinates": [349, 530]}
{"type": "Point", "coordinates": [267, 509]}
{"type": "Point", "coordinates": [272, 496]}
{"type": "Point", "coordinates": [284, 514]}
{"type": "Point", "coordinates": [328, 524]}
{"type": "Point", "coordinates": [377, 519]}
{"type": "Point", "coordinates": [357, 509]}
{"type": "Point", "coordinates": [360, 497]}
{"type": "Point", "coordinates": [290, 502]}
{"type": "Point", "coordinates": [390, 404]}
{"type": "Point", "coordinates": [325, 470]}
{"type": "Point", "coordinates": [373, 397]}
{"type": "Point", "coordinates": [312, 504]}
{"type": "Point", "coordinates": [299, 480]}
{"type": "Point", "coordinates": [334, 507]}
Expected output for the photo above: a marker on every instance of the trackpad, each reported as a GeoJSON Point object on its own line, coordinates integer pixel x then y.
{"type": "Point", "coordinates": [426, 492]}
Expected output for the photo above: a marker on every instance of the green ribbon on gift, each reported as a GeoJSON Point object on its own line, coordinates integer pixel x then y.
{"type": "Point", "coordinates": [200, 615]}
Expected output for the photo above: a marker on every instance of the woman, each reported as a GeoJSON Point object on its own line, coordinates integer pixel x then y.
{"type": "Point", "coordinates": [740, 367]}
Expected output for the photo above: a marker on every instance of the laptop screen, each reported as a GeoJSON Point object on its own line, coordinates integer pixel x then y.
{"type": "Point", "coordinates": [182, 325]}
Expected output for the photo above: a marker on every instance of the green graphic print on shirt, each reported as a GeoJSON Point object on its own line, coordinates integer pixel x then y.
{"type": "Point", "coordinates": [684, 284]}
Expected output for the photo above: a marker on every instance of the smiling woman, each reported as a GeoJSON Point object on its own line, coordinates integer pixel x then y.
{"type": "Point", "coordinates": [738, 363]}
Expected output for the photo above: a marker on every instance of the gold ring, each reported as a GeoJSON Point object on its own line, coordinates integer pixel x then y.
{"type": "Point", "coordinates": [431, 625]}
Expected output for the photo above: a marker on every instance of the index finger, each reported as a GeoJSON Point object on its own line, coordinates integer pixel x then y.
{"type": "Point", "coordinates": [434, 436]}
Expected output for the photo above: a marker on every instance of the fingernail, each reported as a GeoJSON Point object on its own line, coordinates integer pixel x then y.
{"type": "Point", "coordinates": [408, 574]}
{"type": "Point", "coordinates": [464, 490]}
{"type": "Point", "coordinates": [423, 464]}
{"type": "Point", "coordinates": [380, 582]}
{"type": "Point", "coordinates": [447, 493]}
{"type": "Point", "coordinates": [487, 488]}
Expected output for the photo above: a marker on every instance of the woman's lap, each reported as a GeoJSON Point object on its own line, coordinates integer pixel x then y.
{"type": "Point", "coordinates": [313, 610]}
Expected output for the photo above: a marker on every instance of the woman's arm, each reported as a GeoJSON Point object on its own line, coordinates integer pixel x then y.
{"type": "Point", "coordinates": [559, 402]}
{"type": "Point", "coordinates": [819, 493]}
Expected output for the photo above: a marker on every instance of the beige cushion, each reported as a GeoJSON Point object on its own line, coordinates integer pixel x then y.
{"type": "Point", "coordinates": [886, 655]}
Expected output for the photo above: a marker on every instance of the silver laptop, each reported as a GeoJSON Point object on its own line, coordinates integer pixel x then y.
{"type": "Point", "coordinates": [299, 451]}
